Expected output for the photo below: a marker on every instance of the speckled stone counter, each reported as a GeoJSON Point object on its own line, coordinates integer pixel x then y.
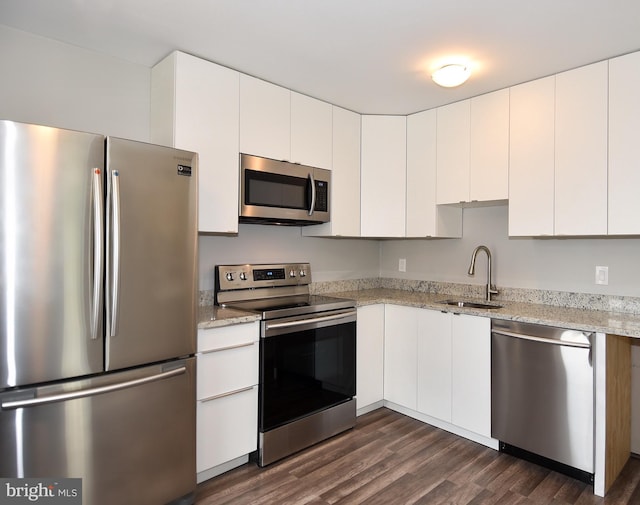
{"type": "Point", "coordinates": [617, 315]}
{"type": "Point", "coordinates": [210, 316]}
{"type": "Point", "coordinates": [618, 323]}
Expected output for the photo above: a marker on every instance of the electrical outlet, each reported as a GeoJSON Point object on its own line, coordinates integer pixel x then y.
{"type": "Point", "coordinates": [402, 265]}
{"type": "Point", "coordinates": [602, 275]}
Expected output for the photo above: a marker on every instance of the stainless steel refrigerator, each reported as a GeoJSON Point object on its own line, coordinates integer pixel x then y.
{"type": "Point", "coordinates": [98, 269]}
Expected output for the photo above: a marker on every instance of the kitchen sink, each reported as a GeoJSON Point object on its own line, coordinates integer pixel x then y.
{"type": "Point", "coordinates": [473, 304]}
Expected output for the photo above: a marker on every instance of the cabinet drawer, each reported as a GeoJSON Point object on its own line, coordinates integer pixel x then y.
{"type": "Point", "coordinates": [227, 336]}
{"type": "Point", "coordinates": [227, 428]}
{"type": "Point", "coordinates": [223, 371]}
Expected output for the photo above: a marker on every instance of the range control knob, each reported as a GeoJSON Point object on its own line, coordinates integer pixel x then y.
{"type": "Point", "coordinates": [229, 276]}
{"type": "Point", "coordinates": [292, 273]}
{"type": "Point", "coordinates": [303, 273]}
{"type": "Point", "coordinates": [243, 276]}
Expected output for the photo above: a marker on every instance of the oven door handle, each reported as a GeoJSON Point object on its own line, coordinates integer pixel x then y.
{"type": "Point", "coordinates": [348, 316]}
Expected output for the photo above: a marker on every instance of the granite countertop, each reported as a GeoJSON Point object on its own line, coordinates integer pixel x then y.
{"type": "Point", "coordinates": [623, 324]}
{"type": "Point", "coordinates": [618, 323]}
{"type": "Point", "coordinates": [211, 316]}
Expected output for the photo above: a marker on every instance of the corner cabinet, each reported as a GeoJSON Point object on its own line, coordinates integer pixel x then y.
{"type": "Point", "coordinates": [383, 176]}
{"type": "Point", "coordinates": [227, 398]}
{"type": "Point", "coordinates": [195, 106]}
{"type": "Point", "coordinates": [345, 179]}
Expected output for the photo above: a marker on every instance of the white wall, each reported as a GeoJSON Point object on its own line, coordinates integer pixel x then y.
{"type": "Point", "coordinates": [55, 84]}
{"type": "Point", "coordinates": [331, 259]}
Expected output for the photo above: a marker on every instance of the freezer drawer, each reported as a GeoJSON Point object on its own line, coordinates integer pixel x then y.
{"type": "Point", "coordinates": [129, 435]}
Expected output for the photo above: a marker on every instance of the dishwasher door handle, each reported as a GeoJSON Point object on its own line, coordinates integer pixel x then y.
{"type": "Point", "coordinates": [543, 340]}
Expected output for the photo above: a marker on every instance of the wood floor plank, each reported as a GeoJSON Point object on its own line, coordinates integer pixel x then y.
{"type": "Point", "coordinates": [391, 459]}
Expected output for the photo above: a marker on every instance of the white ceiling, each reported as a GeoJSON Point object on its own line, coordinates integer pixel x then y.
{"type": "Point", "coordinates": [370, 56]}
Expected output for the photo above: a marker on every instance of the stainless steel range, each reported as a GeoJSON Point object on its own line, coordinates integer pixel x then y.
{"type": "Point", "coordinates": [307, 355]}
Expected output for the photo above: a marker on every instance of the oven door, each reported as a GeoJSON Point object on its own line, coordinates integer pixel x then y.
{"type": "Point", "coordinates": [308, 363]}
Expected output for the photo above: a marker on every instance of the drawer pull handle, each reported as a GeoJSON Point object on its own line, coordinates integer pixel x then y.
{"type": "Point", "coordinates": [237, 346]}
{"type": "Point", "coordinates": [229, 393]}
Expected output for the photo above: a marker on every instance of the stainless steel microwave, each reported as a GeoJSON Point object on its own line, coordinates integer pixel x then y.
{"type": "Point", "coordinates": [278, 192]}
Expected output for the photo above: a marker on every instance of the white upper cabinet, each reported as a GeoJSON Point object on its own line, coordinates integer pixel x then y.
{"type": "Point", "coordinates": [624, 144]}
{"type": "Point", "coordinates": [345, 179]}
{"type": "Point", "coordinates": [489, 147]}
{"type": "Point", "coordinates": [424, 217]}
{"type": "Point", "coordinates": [383, 176]}
{"type": "Point", "coordinates": [194, 106]}
{"type": "Point", "coordinates": [453, 124]}
{"type": "Point", "coordinates": [265, 119]}
{"type": "Point", "coordinates": [311, 131]}
{"type": "Point", "coordinates": [531, 158]}
{"type": "Point", "coordinates": [581, 151]}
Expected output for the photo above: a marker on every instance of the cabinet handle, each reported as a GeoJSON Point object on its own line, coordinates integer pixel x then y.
{"type": "Point", "coordinates": [228, 393]}
{"type": "Point", "coordinates": [237, 346]}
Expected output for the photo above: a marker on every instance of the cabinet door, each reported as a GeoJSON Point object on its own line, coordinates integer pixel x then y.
{"type": "Point", "coordinates": [489, 147]}
{"type": "Point", "coordinates": [345, 179]}
{"type": "Point", "coordinates": [531, 158]}
{"type": "Point", "coordinates": [370, 355]}
{"type": "Point", "coordinates": [434, 364]}
{"type": "Point", "coordinates": [421, 174]}
{"type": "Point", "coordinates": [226, 428]}
{"type": "Point", "coordinates": [581, 151]}
{"type": "Point", "coordinates": [225, 370]}
{"type": "Point", "coordinates": [453, 153]}
{"type": "Point", "coordinates": [311, 131]}
{"type": "Point", "coordinates": [624, 144]}
{"type": "Point", "coordinates": [194, 106]}
{"type": "Point", "coordinates": [400, 360]}
{"type": "Point", "coordinates": [383, 176]}
{"type": "Point", "coordinates": [424, 217]}
{"type": "Point", "coordinates": [471, 373]}
{"type": "Point", "coordinates": [265, 119]}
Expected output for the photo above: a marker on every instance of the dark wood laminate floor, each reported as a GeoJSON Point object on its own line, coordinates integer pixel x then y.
{"type": "Point", "coordinates": [390, 459]}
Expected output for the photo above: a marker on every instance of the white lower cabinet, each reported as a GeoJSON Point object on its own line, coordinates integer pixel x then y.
{"type": "Point", "coordinates": [227, 397]}
{"type": "Point", "coordinates": [400, 363]}
{"type": "Point", "coordinates": [434, 364]}
{"type": "Point", "coordinates": [439, 364]}
{"type": "Point", "coordinates": [370, 357]}
{"type": "Point", "coordinates": [471, 373]}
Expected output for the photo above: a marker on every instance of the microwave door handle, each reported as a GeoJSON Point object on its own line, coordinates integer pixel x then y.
{"type": "Point", "coordinates": [313, 194]}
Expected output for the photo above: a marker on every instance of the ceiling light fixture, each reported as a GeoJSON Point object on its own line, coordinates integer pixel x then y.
{"type": "Point", "coordinates": [452, 75]}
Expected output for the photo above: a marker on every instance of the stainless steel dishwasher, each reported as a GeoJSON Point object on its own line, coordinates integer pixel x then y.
{"type": "Point", "coordinates": [542, 406]}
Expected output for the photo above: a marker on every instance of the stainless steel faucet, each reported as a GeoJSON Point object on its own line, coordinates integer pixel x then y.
{"type": "Point", "coordinates": [490, 288]}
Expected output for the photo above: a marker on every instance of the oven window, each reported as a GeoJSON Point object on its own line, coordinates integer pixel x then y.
{"type": "Point", "coordinates": [275, 190]}
{"type": "Point", "coordinates": [304, 372]}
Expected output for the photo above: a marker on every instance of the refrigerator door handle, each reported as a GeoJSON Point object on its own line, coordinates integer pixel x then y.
{"type": "Point", "coordinates": [115, 251]}
{"type": "Point", "coordinates": [98, 252]}
{"type": "Point", "coordinates": [72, 395]}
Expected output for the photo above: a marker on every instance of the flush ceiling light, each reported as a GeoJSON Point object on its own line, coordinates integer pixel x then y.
{"type": "Point", "coordinates": [452, 75]}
